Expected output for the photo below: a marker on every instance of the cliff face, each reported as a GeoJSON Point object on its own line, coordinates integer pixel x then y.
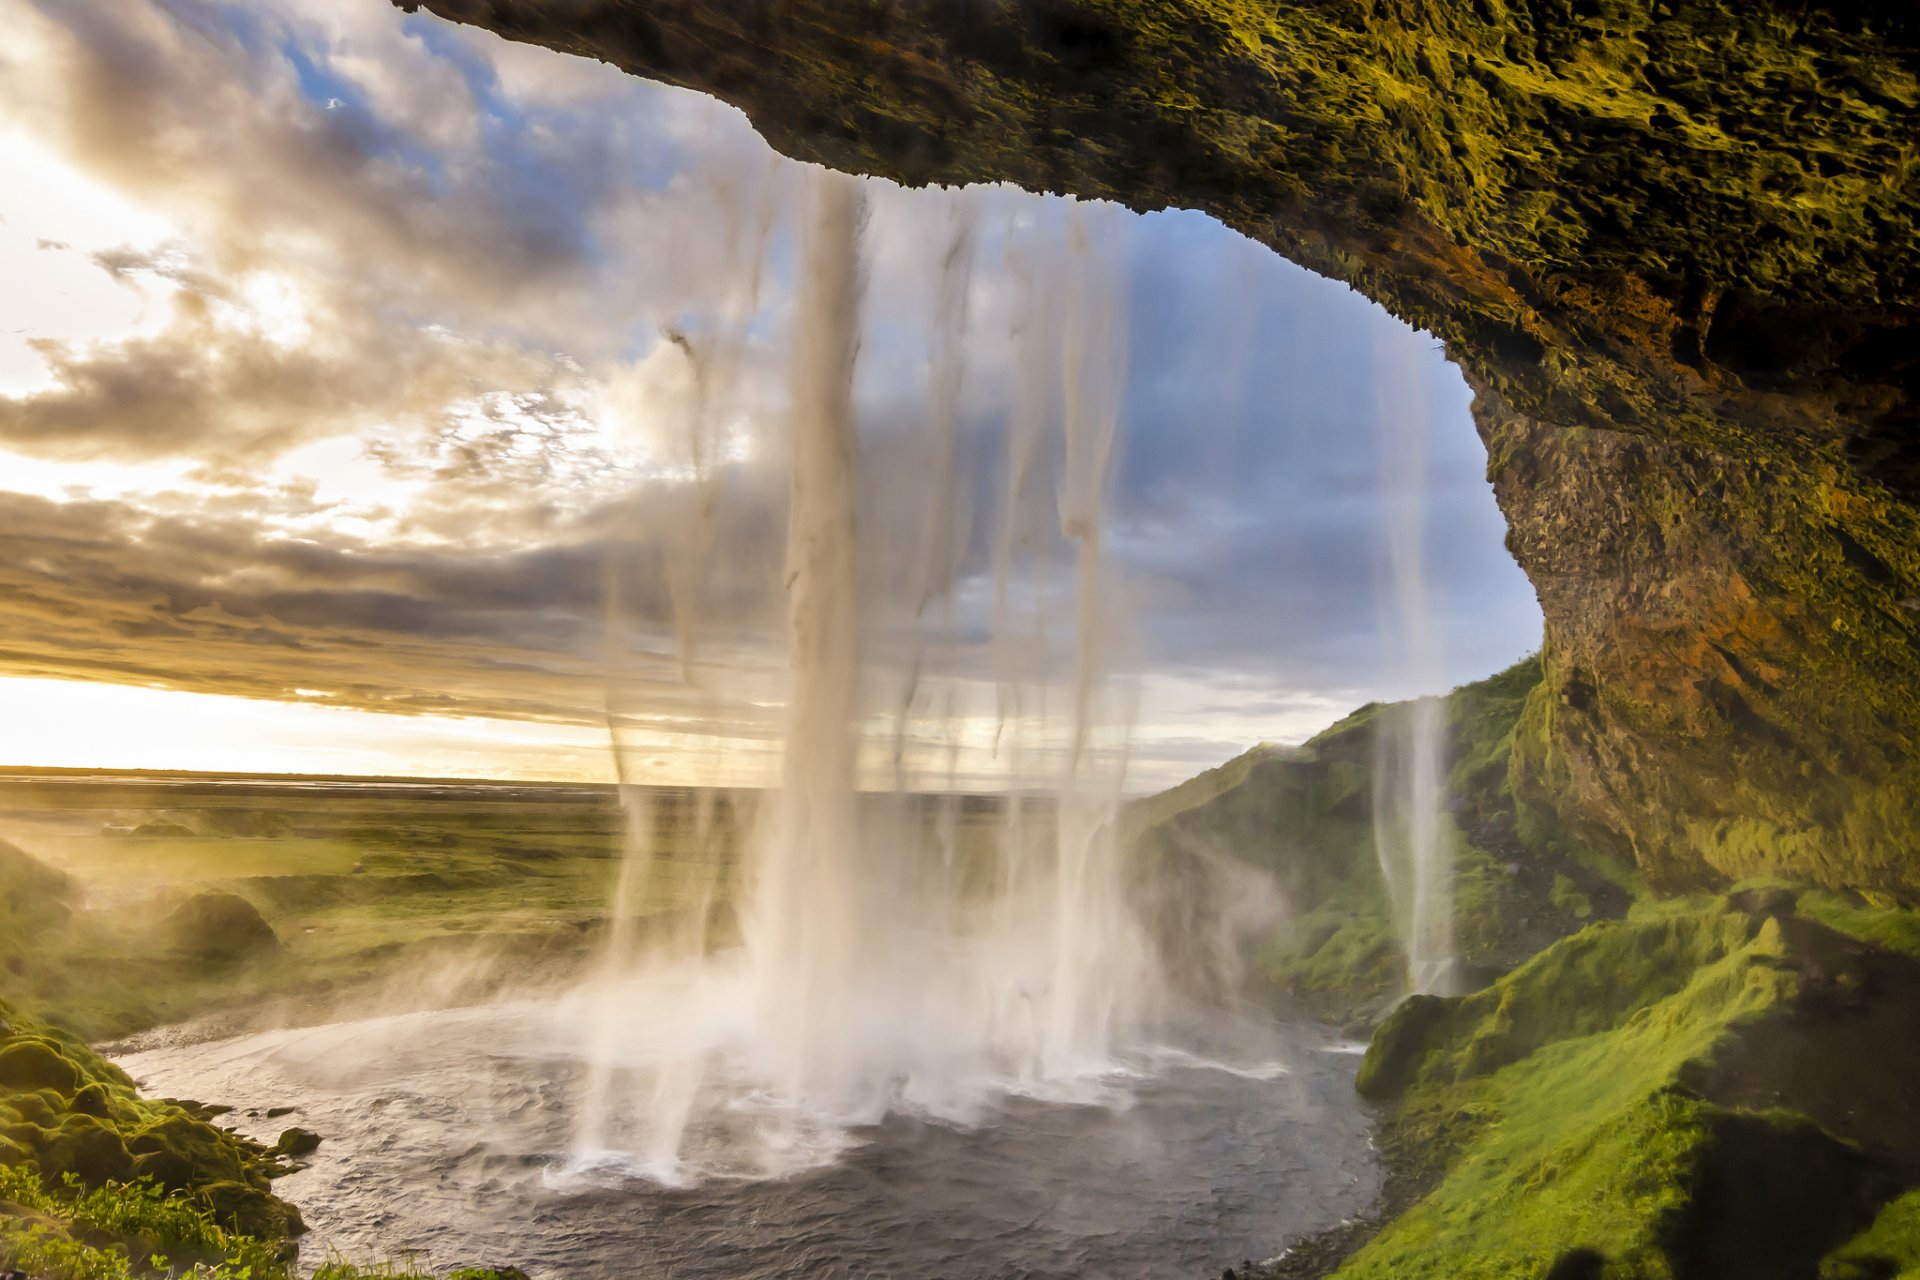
{"type": "Point", "coordinates": [1672, 242]}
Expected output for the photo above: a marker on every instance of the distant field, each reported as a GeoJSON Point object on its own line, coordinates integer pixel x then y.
{"type": "Point", "coordinates": [375, 889]}
{"type": "Point", "coordinates": [357, 880]}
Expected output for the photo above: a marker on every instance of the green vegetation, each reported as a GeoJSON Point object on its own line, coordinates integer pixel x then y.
{"type": "Point", "coordinates": [1658, 1088]}
{"type": "Point", "coordinates": [83, 1156]}
{"type": "Point", "coordinates": [1305, 817]}
{"type": "Point", "coordinates": [1653, 1095]}
{"type": "Point", "coordinates": [133, 904]}
{"type": "Point", "coordinates": [153, 902]}
{"type": "Point", "coordinates": [71, 1114]}
{"type": "Point", "coordinates": [1887, 1250]}
{"type": "Point", "coordinates": [139, 1231]}
{"type": "Point", "coordinates": [99, 1183]}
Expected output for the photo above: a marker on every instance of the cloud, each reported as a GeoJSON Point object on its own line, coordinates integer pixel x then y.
{"type": "Point", "coordinates": [440, 335]}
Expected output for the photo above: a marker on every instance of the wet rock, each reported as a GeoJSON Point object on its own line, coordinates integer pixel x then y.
{"type": "Point", "coordinates": [297, 1142]}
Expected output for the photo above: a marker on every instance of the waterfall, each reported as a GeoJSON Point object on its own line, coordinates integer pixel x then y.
{"type": "Point", "coordinates": [1412, 834]}
{"type": "Point", "coordinates": [894, 944]}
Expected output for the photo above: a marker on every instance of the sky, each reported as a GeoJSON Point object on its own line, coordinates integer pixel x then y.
{"type": "Point", "coordinates": [351, 362]}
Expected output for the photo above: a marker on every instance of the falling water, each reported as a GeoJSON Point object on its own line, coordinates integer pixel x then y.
{"type": "Point", "coordinates": [810, 934]}
{"type": "Point", "coordinates": [1412, 835]}
{"type": "Point", "coordinates": [897, 947]}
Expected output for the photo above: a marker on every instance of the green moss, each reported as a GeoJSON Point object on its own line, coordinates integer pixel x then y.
{"type": "Point", "coordinates": [1894, 928]}
{"type": "Point", "coordinates": [1305, 816]}
{"type": "Point", "coordinates": [1887, 1250]}
{"type": "Point", "coordinates": [98, 1183]}
{"type": "Point", "coordinates": [30, 1063]}
{"type": "Point", "coordinates": [1594, 1110]}
{"type": "Point", "coordinates": [67, 1114]}
{"type": "Point", "coordinates": [1568, 897]}
{"type": "Point", "coordinates": [1551, 1099]}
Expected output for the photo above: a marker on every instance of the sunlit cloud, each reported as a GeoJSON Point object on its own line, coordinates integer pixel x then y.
{"type": "Point", "coordinates": [355, 351]}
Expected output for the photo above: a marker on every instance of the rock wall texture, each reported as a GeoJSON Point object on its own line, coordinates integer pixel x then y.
{"type": "Point", "coordinates": [1673, 244]}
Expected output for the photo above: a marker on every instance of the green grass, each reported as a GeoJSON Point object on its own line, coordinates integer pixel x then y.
{"type": "Point", "coordinates": [1554, 1092]}
{"type": "Point", "coordinates": [355, 884]}
{"type": "Point", "coordinates": [1894, 928]}
{"type": "Point", "coordinates": [1305, 816]}
{"type": "Point", "coordinates": [62, 1230]}
{"type": "Point", "coordinates": [1569, 1111]}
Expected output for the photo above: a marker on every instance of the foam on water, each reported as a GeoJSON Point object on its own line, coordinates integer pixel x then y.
{"type": "Point", "coordinates": [448, 1136]}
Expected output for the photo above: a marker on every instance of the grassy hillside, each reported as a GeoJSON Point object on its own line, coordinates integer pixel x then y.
{"type": "Point", "coordinates": [1701, 1090]}
{"type": "Point", "coordinates": [1305, 817]}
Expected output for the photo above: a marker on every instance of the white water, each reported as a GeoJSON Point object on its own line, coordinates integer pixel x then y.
{"type": "Point", "coordinates": [1412, 834]}
{"type": "Point", "coordinates": [890, 949]}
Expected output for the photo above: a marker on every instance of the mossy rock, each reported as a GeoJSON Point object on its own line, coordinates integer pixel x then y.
{"type": "Point", "coordinates": [182, 1152]}
{"type": "Point", "coordinates": [30, 1064]}
{"type": "Point", "coordinates": [219, 927]}
{"type": "Point", "coordinates": [297, 1142]}
{"type": "Point", "coordinates": [1395, 1053]}
{"type": "Point", "coordinates": [251, 1210]}
{"type": "Point", "coordinates": [41, 1107]}
{"type": "Point", "coordinates": [87, 1147]}
{"type": "Point", "coordinates": [71, 1112]}
{"type": "Point", "coordinates": [92, 1099]}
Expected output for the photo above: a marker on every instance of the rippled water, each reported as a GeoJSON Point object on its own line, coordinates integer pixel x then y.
{"type": "Point", "coordinates": [447, 1136]}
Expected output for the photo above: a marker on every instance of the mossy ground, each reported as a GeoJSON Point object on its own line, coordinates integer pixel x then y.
{"type": "Point", "coordinates": [1654, 1097]}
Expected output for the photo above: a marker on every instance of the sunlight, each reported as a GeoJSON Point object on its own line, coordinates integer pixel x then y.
{"type": "Point", "coordinates": [68, 724]}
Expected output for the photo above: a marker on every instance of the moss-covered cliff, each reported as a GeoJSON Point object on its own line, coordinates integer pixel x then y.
{"type": "Point", "coordinates": [1305, 818]}
{"type": "Point", "coordinates": [1671, 242]}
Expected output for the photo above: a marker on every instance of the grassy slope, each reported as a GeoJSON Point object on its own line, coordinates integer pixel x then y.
{"type": "Point", "coordinates": [1305, 816]}
{"type": "Point", "coordinates": [1588, 1111]}
{"type": "Point", "coordinates": [1703, 1087]}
